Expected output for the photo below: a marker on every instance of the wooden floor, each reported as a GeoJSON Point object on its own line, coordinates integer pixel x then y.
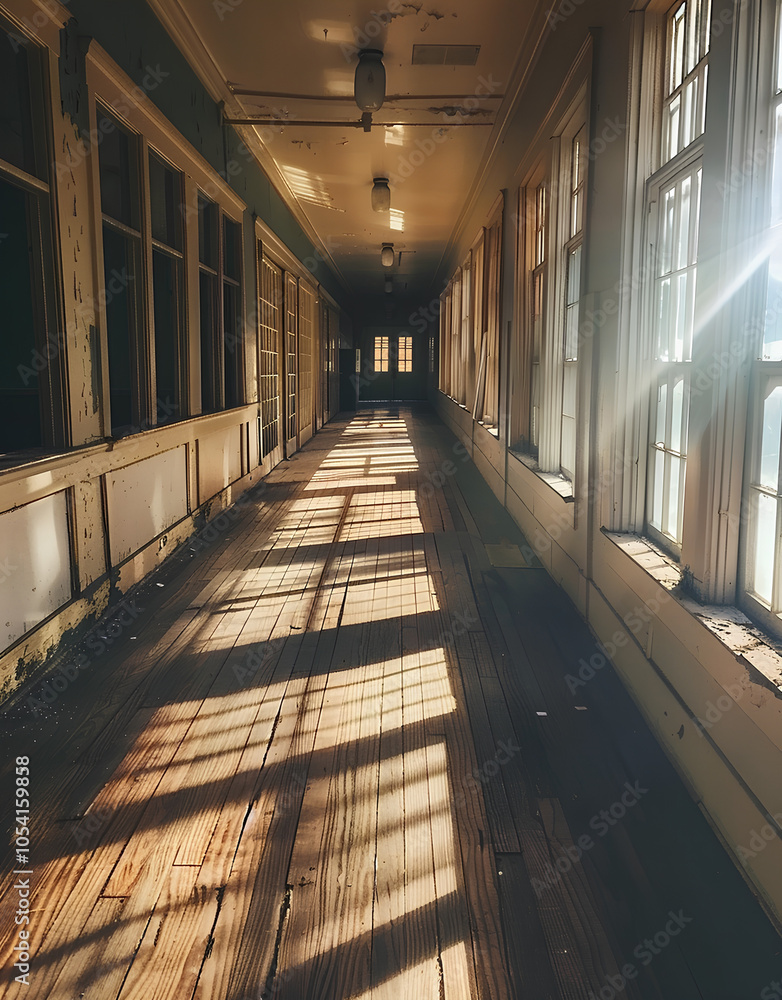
{"type": "Point", "coordinates": [331, 754]}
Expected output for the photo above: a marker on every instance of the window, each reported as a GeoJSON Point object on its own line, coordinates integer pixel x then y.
{"type": "Point", "coordinates": [129, 373]}
{"type": "Point", "coordinates": [673, 320]}
{"type": "Point", "coordinates": [572, 266]}
{"type": "Point", "coordinates": [270, 313]}
{"type": "Point", "coordinates": [404, 354]}
{"type": "Point", "coordinates": [32, 375]}
{"type": "Point", "coordinates": [455, 352]}
{"type": "Point", "coordinates": [686, 73]}
{"type": "Point", "coordinates": [166, 197]}
{"type": "Point", "coordinates": [233, 324]}
{"type": "Point", "coordinates": [142, 199]}
{"type": "Point", "coordinates": [673, 198]}
{"type": "Point", "coordinates": [381, 354]}
{"type": "Point", "coordinates": [552, 211]}
{"type": "Point", "coordinates": [487, 394]}
{"type": "Point", "coordinates": [209, 298]}
{"type": "Point", "coordinates": [470, 327]}
{"type": "Point", "coordinates": [220, 308]}
{"type": "Point", "coordinates": [762, 570]}
{"type": "Point", "coordinates": [536, 298]}
{"type": "Point", "coordinates": [291, 336]}
{"type": "Point", "coordinates": [307, 316]}
{"type": "Point", "coordinates": [445, 341]}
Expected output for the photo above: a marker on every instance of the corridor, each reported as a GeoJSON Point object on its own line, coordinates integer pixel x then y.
{"type": "Point", "coordinates": [329, 751]}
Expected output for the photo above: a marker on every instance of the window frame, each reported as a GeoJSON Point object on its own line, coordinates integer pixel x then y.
{"type": "Point", "coordinates": [687, 162]}
{"type": "Point", "coordinates": [40, 192]}
{"type": "Point", "coordinates": [762, 371]}
{"type": "Point", "coordinates": [108, 85]}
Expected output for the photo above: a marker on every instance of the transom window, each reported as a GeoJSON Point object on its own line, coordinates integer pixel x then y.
{"type": "Point", "coordinates": [684, 105]}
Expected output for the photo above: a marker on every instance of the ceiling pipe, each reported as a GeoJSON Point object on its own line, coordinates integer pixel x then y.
{"type": "Point", "coordinates": [293, 122]}
{"type": "Point", "coordinates": [343, 98]}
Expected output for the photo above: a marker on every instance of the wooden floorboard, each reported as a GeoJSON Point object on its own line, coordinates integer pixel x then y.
{"type": "Point", "coordinates": [334, 758]}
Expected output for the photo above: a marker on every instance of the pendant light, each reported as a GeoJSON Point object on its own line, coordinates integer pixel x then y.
{"type": "Point", "coordinates": [381, 195]}
{"type": "Point", "coordinates": [370, 85]}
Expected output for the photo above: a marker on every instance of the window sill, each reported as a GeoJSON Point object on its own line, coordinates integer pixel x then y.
{"type": "Point", "coordinates": [554, 480]}
{"type": "Point", "coordinates": [493, 429]}
{"type": "Point", "coordinates": [738, 633]}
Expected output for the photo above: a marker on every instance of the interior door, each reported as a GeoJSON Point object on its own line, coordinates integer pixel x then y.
{"type": "Point", "coordinates": [395, 369]}
{"type": "Point", "coordinates": [408, 367]}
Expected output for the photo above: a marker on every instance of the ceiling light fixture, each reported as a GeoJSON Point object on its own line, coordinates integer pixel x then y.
{"type": "Point", "coordinates": [381, 195]}
{"type": "Point", "coordinates": [387, 255]}
{"type": "Point", "coordinates": [370, 84]}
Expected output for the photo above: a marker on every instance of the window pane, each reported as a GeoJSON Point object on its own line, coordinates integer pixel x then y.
{"type": "Point", "coordinates": [20, 417]}
{"type": "Point", "coordinates": [165, 190]}
{"type": "Point", "coordinates": [232, 249]}
{"type": "Point", "coordinates": [683, 118]}
{"type": "Point", "coordinates": [232, 327]}
{"type": "Point", "coordinates": [166, 280]}
{"type": "Point", "coordinates": [672, 521]}
{"type": "Point", "coordinates": [772, 427]}
{"type": "Point", "coordinates": [657, 504]}
{"type": "Point", "coordinates": [765, 542]}
{"type": "Point", "coordinates": [405, 354]}
{"type": "Point", "coordinates": [208, 310]}
{"type": "Point", "coordinates": [681, 248]}
{"type": "Point", "coordinates": [662, 413]}
{"type": "Point", "coordinates": [381, 354]}
{"type": "Point", "coordinates": [207, 232]}
{"type": "Point", "coordinates": [772, 329]}
{"type": "Point", "coordinates": [16, 133]}
{"type": "Point", "coordinates": [677, 416]}
{"type": "Point", "coordinates": [120, 264]}
{"type": "Point", "coordinates": [118, 186]}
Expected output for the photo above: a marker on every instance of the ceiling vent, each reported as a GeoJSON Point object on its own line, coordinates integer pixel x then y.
{"type": "Point", "coordinates": [445, 55]}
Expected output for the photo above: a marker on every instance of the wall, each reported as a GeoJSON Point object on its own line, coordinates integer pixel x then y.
{"type": "Point", "coordinates": [708, 681]}
{"type": "Point", "coordinates": [81, 525]}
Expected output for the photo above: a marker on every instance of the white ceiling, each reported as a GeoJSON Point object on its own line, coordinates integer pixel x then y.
{"type": "Point", "coordinates": [308, 47]}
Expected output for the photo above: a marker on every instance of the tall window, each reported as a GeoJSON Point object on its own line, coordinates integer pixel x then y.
{"type": "Point", "coordinates": [209, 298]}
{"type": "Point", "coordinates": [488, 381]}
{"type": "Point", "coordinates": [121, 207]}
{"type": "Point", "coordinates": [291, 337]}
{"type": "Point", "coordinates": [166, 192]}
{"type": "Point", "coordinates": [233, 321]}
{"type": "Point", "coordinates": [572, 266]}
{"type": "Point", "coordinates": [270, 314]}
{"type": "Point", "coordinates": [445, 341]}
{"type": "Point", "coordinates": [307, 318]}
{"type": "Point", "coordinates": [553, 207]}
{"type": "Point", "coordinates": [673, 213]}
{"type": "Point", "coordinates": [536, 310]}
{"type": "Point", "coordinates": [674, 306]}
{"type": "Point", "coordinates": [32, 413]}
{"type": "Point", "coordinates": [455, 352]}
{"type": "Point", "coordinates": [763, 480]}
{"type": "Point", "coordinates": [221, 320]}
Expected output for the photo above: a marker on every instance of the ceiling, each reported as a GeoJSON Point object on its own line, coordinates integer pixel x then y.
{"type": "Point", "coordinates": [324, 173]}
